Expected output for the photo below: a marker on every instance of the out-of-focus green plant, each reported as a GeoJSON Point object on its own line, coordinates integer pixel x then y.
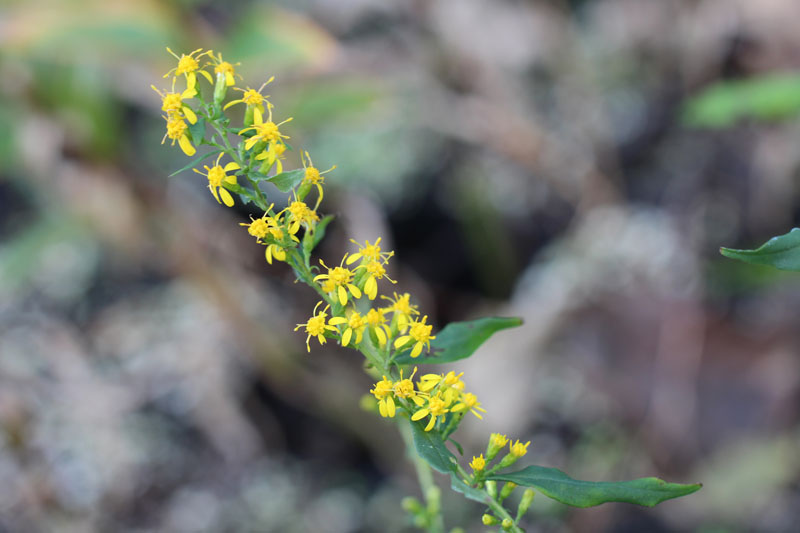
{"type": "Point", "coordinates": [773, 97]}
{"type": "Point", "coordinates": [392, 337]}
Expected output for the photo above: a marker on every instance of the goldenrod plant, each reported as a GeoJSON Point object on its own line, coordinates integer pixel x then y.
{"type": "Point", "coordinates": [355, 309]}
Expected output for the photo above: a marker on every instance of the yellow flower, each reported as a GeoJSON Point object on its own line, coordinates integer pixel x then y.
{"type": "Point", "coordinates": [469, 402]}
{"type": "Point", "coordinates": [300, 213]}
{"type": "Point", "coordinates": [436, 409]}
{"type": "Point", "coordinates": [264, 131]}
{"type": "Point", "coordinates": [375, 271]}
{"type": "Point", "coordinates": [177, 130]}
{"type": "Point", "coordinates": [405, 389]}
{"type": "Point", "coordinates": [383, 392]}
{"type": "Point", "coordinates": [377, 323]}
{"type": "Point", "coordinates": [272, 155]}
{"type": "Point", "coordinates": [355, 324]}
{"type": "Point", "coordinates": [313, 176]}
{"type": "Point", "coordinates": [369, 252]}
{"type": "Point", "coordinates": [217, 177]}
{"type": "Point", "coordinates": [478, 463]}
{"type": "Point", "coordinates": [450, 385]}
{"type": "Point", "coordinates": [172, 104]}
{"type": "Point", "coordinates": [259, 227]}
{"type": "Point", "coordinates": [401, 308]}
{"type": "Point", "coordinates": [316, 326]}
{"type": "Point", "coordinates": [339, 279]}
{"type": "Point", "coordinates": [518, 449]}
{"type": "Point", "coordinates": [420, 334]}
{"type": "Point", "coordinates": [223, 69]}
{"type": "Point", "coordinates": [188, 66]}
{"type": "Point", "coordinates": [251, 97]}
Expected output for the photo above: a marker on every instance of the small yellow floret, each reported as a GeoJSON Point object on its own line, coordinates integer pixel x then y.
{"type": "Point", "coordinates": [478, 463]}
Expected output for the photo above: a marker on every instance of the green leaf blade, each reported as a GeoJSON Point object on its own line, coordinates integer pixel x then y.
{"type": "Point", "coordinates": [194, 162]}
{"type": "Point", "coordinates": [459, 340]}
{"type": "Point", "coordinates": [286, 181]}
{"type": "Point", "coordinates": [555, 484]}
{"type": "Point", "coordinates": [430, 447]}
{"type": "Point", "coordinates": [782, 252]}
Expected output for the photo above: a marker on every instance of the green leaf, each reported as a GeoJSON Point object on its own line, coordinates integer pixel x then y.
{"type": "Point", "coordinates": [198, 130]}
{"type": "Point", "coordinates": [430, 447]}
{"type": "Point", "coordinates": [311, 241]}
{"type": "Point", "coordinates": [557, 485]}
{"type": "Point", "coordinates": [781, 252]}
{"type": "Point", "coordinates": [195, 162]}
{"type": "Point", "coordinates": [772, 97]}
{"type": "Point", "coordinates": [469, 492]}
{"type": "Point", "coordinates": [286, 181]}
{"type": "Point", "coordinates": [459, 340]}
{"type": "Point", "coordinates": [457, 445]}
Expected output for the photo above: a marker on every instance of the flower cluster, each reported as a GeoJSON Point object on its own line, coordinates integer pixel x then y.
{"type": "Point", "coordinates": [438, 397]}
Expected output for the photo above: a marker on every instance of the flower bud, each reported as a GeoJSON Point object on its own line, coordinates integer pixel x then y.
{"type": "Point", "coordinates": [303, 191]}
{"type": "Point", "coordinates": [220, 89]}
{"type": "Point", "coordinates": [412, 505]}
{"type": "Point", "coordinates": [489, 520]}
{"type": "Point", "coordinates": [507, 523]}
{"type": "Point", "coordinates": [507, 489]}
{"type": "Point", "coordinates": [496, 443]}
{"type": "Point", "coordinates": [491, 488]}
{"type": "Point", "coordinates": [525, 503]}
{"type": "Point", "coordinates": [248, 116]}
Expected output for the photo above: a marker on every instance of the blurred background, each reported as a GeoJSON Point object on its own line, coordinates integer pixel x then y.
{"type": "Point", "coordinates": [575, 163]}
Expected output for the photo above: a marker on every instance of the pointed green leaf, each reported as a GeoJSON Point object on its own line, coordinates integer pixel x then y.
{"type": "Point", "coordinates": [198, 130]}
{"type": "Point", "coordinates": [310, 241]}
{"type": "Point", "coordinates": [459, 340]}
{"type": "Point", "coordinates": [195, 162]}
{"type": "Point", "coordinates": [557, 485]}
{"type": "Point", "coordinates": [430, 447]}
{"type": "Point", "coordinates": [781, 252]}
{"type": "Point", "coordinates": [469, 492]}
{"type": "Point", "coordinates": [286, 181]}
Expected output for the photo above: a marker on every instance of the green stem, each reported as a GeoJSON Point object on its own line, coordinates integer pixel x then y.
{"type": "Point", "coordinates": [425, 478]}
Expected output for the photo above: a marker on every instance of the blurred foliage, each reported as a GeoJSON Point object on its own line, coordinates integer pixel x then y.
{"type": "Point", "coordinates": [770, 98]}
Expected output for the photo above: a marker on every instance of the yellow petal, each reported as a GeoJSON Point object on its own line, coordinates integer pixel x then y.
{"type": "Point", "coordinates": [371, 287]}
{"type": "Point", "coordinates": [390, 406]}
{"type": "Point", "coordinates": [249, 143]}
{"type": "Point", "coordinates": [230, 179]}
{"type": "Point", "coordinates": [207, 76]}
{"type": "Point", "coordinates": [335, 321]}
{"type": "Point", "coordinates": [381, 336]}
{"type": "Point", "coordinates": [382, 407]}
{"type": "Point", "coordinates": [342, 295]}
{"type": "Point", "coordinates": [355, 290]}
{"type": "Point", "coordinates": [359, 336]}
{"type": "Point", "coordinates": [269, 254]}
{"type": "Point", "coordinates": [189, 114]}
{"type": "Point", "coordinates": [280, 254]}
{"type": "Point", "coordinates": [186, 145]}
{"type": "Point", "coordinates": [401, 341]}
{"type": "Point", "coordinates": [353, 258]}
{"type": "Point", "coordinates": [227, 199]}
{"type": "Point", "coordinates": [346, 337]}
{"type": "Point", "coordinates": [431, 424]}
{"type": "Point", "coordinates": [229, 79]}
{"type": "Point", "coordinates": [257, 118]}
{"type": "Point", "coordinates": [191, 81]}
{"type": "Point", "coordinates": [233, 165]}
{"type": "Point", "coordinates": [239, 101]}
{"type": "Point", "coordinates": [417, 350]}
{"type": "Point", "coordinates": [422, 413]}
